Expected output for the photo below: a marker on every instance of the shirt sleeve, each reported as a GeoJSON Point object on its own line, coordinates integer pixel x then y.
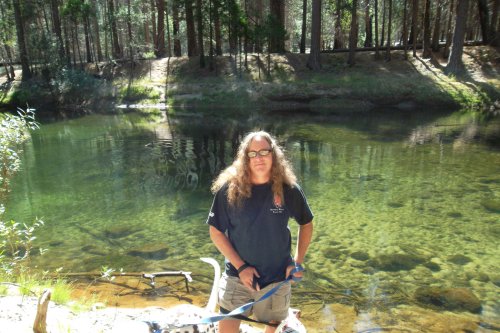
{"type": "Point", "coordinates": [296, 202]}
{"type": "Point", "coordinates": [218, 216]}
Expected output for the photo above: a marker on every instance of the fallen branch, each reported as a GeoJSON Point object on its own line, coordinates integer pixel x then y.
{"type": "Point", "coordinates": [40, 324]}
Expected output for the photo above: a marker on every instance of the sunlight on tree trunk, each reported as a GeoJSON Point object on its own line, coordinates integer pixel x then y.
{"type": "Point", "coordinates": [455, 64]}
{"type": "Point", "coordinates": [314, 60]}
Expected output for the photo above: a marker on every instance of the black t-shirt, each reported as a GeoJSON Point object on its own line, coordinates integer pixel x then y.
{"type": "Point", "coordinates": [258, 230]}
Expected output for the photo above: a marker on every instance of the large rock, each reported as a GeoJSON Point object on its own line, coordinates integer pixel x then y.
{"type": "Point", "coordinates": [460, 299]}
{"type": "Point", "coordinates": [396, 262]}
{"type": "Point", "coordinates": [155, 252]}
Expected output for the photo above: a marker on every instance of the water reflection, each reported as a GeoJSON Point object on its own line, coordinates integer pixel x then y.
{"type": "Point", "coordinates": [402, 202]}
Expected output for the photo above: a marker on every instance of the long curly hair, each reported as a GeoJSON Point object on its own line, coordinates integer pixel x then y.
{"type": "Point", "coordinates": [237, 175]}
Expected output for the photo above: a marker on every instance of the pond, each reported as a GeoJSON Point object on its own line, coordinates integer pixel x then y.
{"type": "Point", "coordinates": [402, 202]}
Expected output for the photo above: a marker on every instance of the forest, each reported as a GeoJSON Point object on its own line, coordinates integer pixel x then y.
{"type": "Point", "coordinates": [45, 36]}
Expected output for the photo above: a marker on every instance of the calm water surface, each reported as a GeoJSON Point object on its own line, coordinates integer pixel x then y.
{"type": "Point", "coordinates": [400, 202]}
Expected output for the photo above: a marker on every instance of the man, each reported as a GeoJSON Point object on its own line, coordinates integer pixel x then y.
{"type": "Point", "coordinates": [254, 199]}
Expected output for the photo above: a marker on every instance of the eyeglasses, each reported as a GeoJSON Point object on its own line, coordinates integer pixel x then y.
{"type": "Point", "coordinates": [262, 152]}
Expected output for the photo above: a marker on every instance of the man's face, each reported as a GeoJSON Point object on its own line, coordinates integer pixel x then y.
{"type": "Point", "coordinates": [260, 166]}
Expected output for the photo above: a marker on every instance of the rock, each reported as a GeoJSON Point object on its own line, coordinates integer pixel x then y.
{"type": "Point", "coordinates": [458, 299]}
{"type": "Point", "coordinates": [432, 266]}
{"type": "Point", "coordinates": [396, 262]}
{"type": "Point", "coordinates": [119, 231]}
{"type": "Point", "coordinates": [362, 256]}
{"type": "Point", "coordinates": [155, 252]}
{"type": "Point", "coordinates": [459, 259]}
{"type": "Point", "coordinates": [491, 205]}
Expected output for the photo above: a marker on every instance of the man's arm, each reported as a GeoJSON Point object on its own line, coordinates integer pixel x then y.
{"type": "Point", "coordinates": [304, 237]}
{"type": "Point", "coordinates": [225, 247]}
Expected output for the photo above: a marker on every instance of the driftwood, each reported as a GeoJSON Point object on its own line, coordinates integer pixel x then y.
{"type": "Point", "coordinates": [40, 324]}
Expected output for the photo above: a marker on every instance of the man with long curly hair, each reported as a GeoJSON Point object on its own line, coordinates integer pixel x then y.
{"type": "Point", "coordinates": [254, 199]}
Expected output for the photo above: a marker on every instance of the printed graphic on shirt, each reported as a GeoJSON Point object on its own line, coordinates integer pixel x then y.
{"type": "Point", "coordinates": [277, 209]}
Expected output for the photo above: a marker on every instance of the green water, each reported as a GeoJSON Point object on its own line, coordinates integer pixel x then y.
{"type": "Point", "coordinates": [400, 201]}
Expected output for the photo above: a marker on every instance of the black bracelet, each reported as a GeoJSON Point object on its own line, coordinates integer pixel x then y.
{"type": "Point", "coordinates": [243, 267]}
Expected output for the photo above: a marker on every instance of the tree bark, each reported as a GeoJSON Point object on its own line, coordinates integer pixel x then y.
{"type": "Point", "coordinates": [56, 25]}
{"type": "Point", "coordinates": [353, 34]}
{"type": "Point", "coordinates": [200, 33]}
{"type": "Point", "coordinates": [368, 25]}
{"type": "Point", "coordinates": [382, 39]}
{"type": "Point", "coordinates": [88, 51]}
{"type": "Point", "coordinates": [95, 25]}
{"type": "Point", "coordinates": [389, 31]}
{"type": "Point", "coordinates": [414, 27]}
{"type": "Point", "coordinates": [191, 34]}
{"type": "Point", "coordinates": [484, 17]}
{"type": "Point", "coordinates": [21, 41]}
{"type": "Point", "coordinates": [175, 28]}
{"type": "Point", "coordinates": [169, 40]}
{"type": "Point", "coordinates": [217, 28]}
{"type": "Point", "coordinates": [449, 34]}
{"type": "Point", "coordinates": [376, 29]}
{"type": "Point", "coordinates": [303, 30]}
{"type": "Point", "coordinates": [314, 60]}
{"type": "Point", "coordinates": [338, 40]}
{"type": "Point", "coordinates": [116, 50]}
{"type": "Point", "coordinates": [455, 64]}
{"type": "Point", "coordinates": [160, 26]}
{"type": "Point", "coordinates": [437, 27]}
{"type": "Point", "coordinates": [129, 32]}
{"type": "Point", "coordinates": [277, 40]}
{"type": "Point", "coordinates": [495, 25]}
{"type": "Point", "coordinates": [426, 53]}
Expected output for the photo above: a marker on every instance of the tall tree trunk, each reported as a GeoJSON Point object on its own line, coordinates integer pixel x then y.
{"type": "Point", "coordinates": [303, 30]}
{"type": "Point", "coordinates": [67, 41]}
{"type": "Point", "coordinates": [88, 51]}
{"type": "Point", "coordinates": [147, 36]}
{"type": "Point", "coordinates": [175, 27]}
{"type": "Point", "coordinates": [376, 29]}
{"type": "Point", "coordinates": [338, 40]}
{"type": "Point", "coordinates": [449, 34]}
{"type": "Point", "coordinates": [116, 51]}
{"type": "Point", "coordinates": [21, 41]}
{"type": "Point", "coordinates": [129, 32]}
{"type": "Point", "coordinates": [9, 58]}
{"type": "Point", "coordinates": [389, 30]}
{"type": "Point", "coordinates": [426, 53]}
{"type": "Point", "coordinates": [368, 25]}
{"type": "Point", "coordinates": [56, 24]}
{"type": "Point", "coordinates": [353, 34]}
{"type": "Point", "coordinates": [95, 25]}
{"type": "Point", "coordinates": [455, 64]}
{"type": "Point", "coordinates": [169, 40]}
{"type": "Point", "coordinates": [259, 14]}
{"type": "Point", "coordinates": [495, 24]}
{"type": "Point", "coordinates": [382, 39]}
{"type": "Point", "coordinates": [153, 25]}
{"type": "Point", "coordinates": [405, 30]}
{"type": "Point", "coordinates": [191, 34]}
{"type": "Point", "coordinates": [160, 37]}
{"type": "Point", "coordinates": [199, 18]}
{"type": "Point", "coordinates": [484, 17]}
{"type": "Point", "coordinates": [437, 27]}
{"type": "Point", "coordinates": [314, 60]}
{"type": "Point", "coordinates": [217, 28]}
{"type": "Point", "coordinates": [414, 28]}
{"type": "Point", "coordinates": [277, 40]}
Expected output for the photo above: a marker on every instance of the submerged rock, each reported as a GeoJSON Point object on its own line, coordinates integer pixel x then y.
{"type": "Point", "coordinates": [396, 262]}
{"type": "Point", "coordinates": [119, 231]}
{"type": "Point", "coordinates": [459, 259]}
{"type": "Point", "coordinates": [155, 252]}
{"type": "Point", "coordinates": [491, 205]}
{"type": "Point", "coordinates": [458, 299]}
{"type": "Point", "coordinates": [362, 256]}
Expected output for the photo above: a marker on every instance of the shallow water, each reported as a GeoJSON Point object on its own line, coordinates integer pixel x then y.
{"type": "Point", "coordinates": [400, 200]}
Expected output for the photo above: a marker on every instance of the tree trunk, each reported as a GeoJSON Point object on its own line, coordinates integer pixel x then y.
{"type": "Point", "coordinates": [449, 35]}
{"type": "Point", "coordinates": [303, 31]}
{"type": "Point", "coordinates": [338, 40]}
{"type": "Point", "coordinates": [147, 36]}
{"type": "Point", "coordinates": [495, 25]}
{"type": "Point", "coordinates": [129, 32]}
{"type": "Point", "coordinates": [160, 26]}
{"type": "Point", "coordinates": [21, 41]}
{"type": "Point", "coordinates": [191, 34]}
{"type": "Point", "coordinates": [426, 53]}
{"type": "Point", "coordinates": [314, 60]}
{"type": "Point", "coordinates": [177, 41]}
{"type": "Point", "coordinates": [405, 30]}
{"type": "Point", "coordinates": [368, 25]}
{"type": "Point", "coordinates": [95, 25]}
{"type": "Point", "coordinates": [277, 40]}
{"type": "Point", "coordinates": [199, 17]}
{"type": "Point", "coordinates": [40, 323]}
{"type": "Point", "coordinates": [437, 27]}
{"type": "Point", "coordinates": [455, 64]}
{"type": "Point", "coordinates": [116, 51]}
{"type": "Point", "coordinates": [56, 24]}
{"type": "Point", "coordinates": [414, 27]}
{"type": "Point", "coordinates": [382, 39]}
{"type": "Point", "coordinates": [376, 29]}
{"type": "Point", "coordinates": [259, 14]}
{"type": "Point", "coordinates": [389, 30]}
{"type": "Point", "coordinates": [484, 17]}
{"type": "Point", "coordinates": [217, 28]}
{"type": "Point", "coordinates": [88, 51]}
{"type": "Point", "coordinates": [9, 57]}
{"type": "Point", "coordinates": [169, 40]}
{"type": "Point", "coordinates": [353, 34]}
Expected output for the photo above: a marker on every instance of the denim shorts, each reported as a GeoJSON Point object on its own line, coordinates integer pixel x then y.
{"type": "Point", "coordinates": [233, 294]}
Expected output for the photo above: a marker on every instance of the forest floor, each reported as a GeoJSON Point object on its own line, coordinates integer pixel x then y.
{"type": "Point", "coordinates": [280, 82]}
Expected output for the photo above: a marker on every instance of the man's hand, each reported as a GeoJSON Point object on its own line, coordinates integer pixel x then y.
{"type": "Point", "coordinates": [247, 277]}
{"type": "Point", "coordinates": [296, 274]}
